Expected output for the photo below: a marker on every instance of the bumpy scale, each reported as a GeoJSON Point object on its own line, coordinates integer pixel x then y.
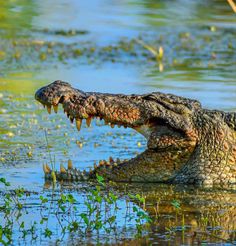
{"type": "Point", "coordinates": [185, 143]}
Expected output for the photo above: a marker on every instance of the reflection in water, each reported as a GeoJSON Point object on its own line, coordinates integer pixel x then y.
{"type": "Point", "coordinates": [181, 215]}
{"type": "Point", "coordinates": [93, 46]}
{"type": "Point", "coordinates": [185, 12]}
{"type": "Point", "coordinates": [202, 214]}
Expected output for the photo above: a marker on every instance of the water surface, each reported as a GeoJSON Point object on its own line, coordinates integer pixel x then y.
{"type": "Point", "coordinates": [93, 46]}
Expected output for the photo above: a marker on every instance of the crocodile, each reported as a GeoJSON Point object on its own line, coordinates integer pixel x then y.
{"type": "Point", "coordinates": [185, 143]}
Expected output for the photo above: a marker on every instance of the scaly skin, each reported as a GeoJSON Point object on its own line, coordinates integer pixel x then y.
{"type": "Point", "coordinates": [185, 143]}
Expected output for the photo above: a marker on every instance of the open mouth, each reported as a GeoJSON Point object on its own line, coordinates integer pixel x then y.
{"type": "Point", "coordinates": [70, 173]}
{"type": "Point", "coordinates": [163, 119]}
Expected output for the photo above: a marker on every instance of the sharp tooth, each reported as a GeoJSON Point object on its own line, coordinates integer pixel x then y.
{"type": "Point", "coordinates": [46, 168]}
{"type": "Point", "coordinates": [68, 115]}
{"type": "Point", "coordinates": [62, 169]}
{"type": "Point", "coordinates": [55, 107]}
{"type": "Point", "coordinates": [70, 165]}
{"type": "Point", "coordinates": [112, 125]}
{"type": "Point", "coordinates": [101, 163]}
{"type": "Point", "coordinates": [47, 185]}
{"type": "Point", "coordinates": [78, 124]}
{"type": "Point", "coordinates": [49, 109]}
{"type": "Point", "coordinates": [88, 121]}
{"type": "Point", "coordinates": [119, 126]}
{"type": "Point", "coordinates": [44, 105]}
{"type": "Point", "coordinates": [71, 119]}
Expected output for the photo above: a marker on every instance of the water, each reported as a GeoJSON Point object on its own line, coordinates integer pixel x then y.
{"type": "Point", "coordinates": [93, 47]}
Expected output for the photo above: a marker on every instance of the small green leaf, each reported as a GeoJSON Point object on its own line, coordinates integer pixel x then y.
{"type": "Point", "coordinates": [3, 180]}
{"type": "Point", "coordinates": [100, 179]}
{"type": "Point", "coordinates": [85, 218]}
{"type": "Point", "coordinates": [47, 233]}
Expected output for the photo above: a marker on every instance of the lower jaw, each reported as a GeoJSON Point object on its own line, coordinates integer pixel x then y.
{"type": "Point", "coordinates": [147, 167]}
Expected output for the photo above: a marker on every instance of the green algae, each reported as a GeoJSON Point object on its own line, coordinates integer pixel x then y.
{"type": "Point", "coordinates": [188, 48]}
{"type": "Point", "coordinates": [198, 62]}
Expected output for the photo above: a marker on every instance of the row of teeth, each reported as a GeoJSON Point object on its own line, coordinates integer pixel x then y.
{"type": "Point", "coordinates": [78, 122]}
{"type": "Point", "coordinates": [111, 162]}
{"type": "Point", "coordinates": [74, 174]}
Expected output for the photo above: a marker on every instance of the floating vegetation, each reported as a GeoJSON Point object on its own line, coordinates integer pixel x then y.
{"type": "Point", "coordinates": [62, 32]}
{"type": "Point", "coordinates": [191, 49]}
{"type": "Point", "coordinates": [100, 216]}
{"type": "Point", "coordinates": [158, 54]}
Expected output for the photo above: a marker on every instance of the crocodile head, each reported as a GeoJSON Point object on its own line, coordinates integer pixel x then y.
{"type": "Point", "coordinates": [175, 128]}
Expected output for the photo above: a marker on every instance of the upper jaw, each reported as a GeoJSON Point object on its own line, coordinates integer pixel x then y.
{"type": "Point", "coordinates": [55, 93]}
{"type": "Point", "coordinates": [52, 93]}
{"type": "Point", "coordinates": [77, 104]}
{"type": "Point", "coordinates": [81, 105]}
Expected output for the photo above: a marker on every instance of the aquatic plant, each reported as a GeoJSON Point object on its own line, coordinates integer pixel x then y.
{"type": "Point", "coordinates": [99, 215]}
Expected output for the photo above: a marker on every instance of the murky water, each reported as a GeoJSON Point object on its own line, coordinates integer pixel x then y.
{"type": "Point", "coordinates": [93, 46]}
